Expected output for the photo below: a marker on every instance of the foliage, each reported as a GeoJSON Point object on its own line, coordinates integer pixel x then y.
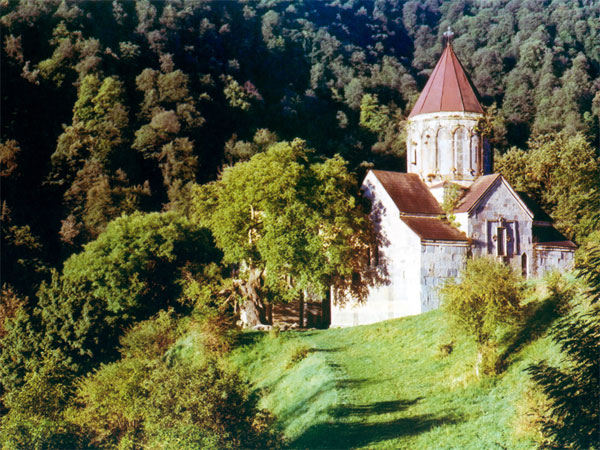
{"type": "Point", "coordinates": [148, 396]}
{"type": "Point", "coordinates": [487, 295]}
{"type": "Point", "coordinates": [588, 263]}
{"type": "Point", "coordinates": [289, 218]}
{"type": "Point", "coordinates": [129, 273]}
{"type": "Point", "coordinates": [572, 390]}
{"type": "Point", "coordinates": [10, 303]}
{"type": "Point", "coordinates": [35, 418]}
{"type": "Point", "coordinates": [88, 157]}
{"type": "Point", "coordinates": [563, 173]}
{"type": "Point", "coordinates": [452, 195]}
{"type": "Point", "coordinates": [176, 81]}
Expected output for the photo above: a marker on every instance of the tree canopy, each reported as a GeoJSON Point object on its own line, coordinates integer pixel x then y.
{"type": "Point", "coordinates": [288, 221]}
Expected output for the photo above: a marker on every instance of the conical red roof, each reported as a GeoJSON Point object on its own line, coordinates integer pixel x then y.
{"type": "Point", "coordinates": [448, 88]}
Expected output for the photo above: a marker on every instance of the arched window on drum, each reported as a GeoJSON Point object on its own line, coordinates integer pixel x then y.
{"type": "Point", "coordinates": [474, 162]}
{"type": "Point", "coordinates": [444, 151]}
{"type": "Point", "coordinates": [461, 150]}
{"type": "Point", "coordinates": [428, 153]}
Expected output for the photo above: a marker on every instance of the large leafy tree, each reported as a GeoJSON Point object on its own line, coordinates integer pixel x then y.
{"type": "Point", "coordinates": [168, 136]}
{"type": "Point", "coordinates": [289, 223]}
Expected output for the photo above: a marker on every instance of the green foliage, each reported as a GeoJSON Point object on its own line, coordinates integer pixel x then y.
{"type": "Point", "coordinates": [573, 390]}
{"type": "Point", "coordinates": [35, 418]}
{"type": "Point", "coordinates": [129, 273]}
{"type": "Point", "coordinates": [152, 395]}
{"type": "Point", "coordinates": [88, 159]}
{"type": "Point", "coordinates": [288, 217]}
{"type": "Point", "coordinates": [298, 353]}
{"type": "Point", "coordinates": [588, 263]}
{"type": "Point", "coordinates": [487, 296]}
{"type": "Point", "coordinates": [168, 138]}
{"type": "Point", "coordinates": [452, 195]}
{"type": "Point", "coordinates": [563, 173]}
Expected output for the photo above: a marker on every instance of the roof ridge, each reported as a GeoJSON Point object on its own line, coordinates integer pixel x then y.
{"type": "Point", "coordinates": [454, 62]}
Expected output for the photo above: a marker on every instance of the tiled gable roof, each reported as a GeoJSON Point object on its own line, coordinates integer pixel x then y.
{"type": "Point", "coordinates": [476, 192]}
{"type": "Point", "coordinates": [433, 228]}
{"type": "Point", "coordinates": [550, 236]}
{"type": "Point", "coordinates": [448, 88]}
{"type": "Point", "coordinates": [408, 192]}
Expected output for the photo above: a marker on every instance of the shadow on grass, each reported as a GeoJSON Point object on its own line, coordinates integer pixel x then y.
{"type": "Point", "coordinates": [327, 350]}
{"type": "Point", "coordinates": [373, 409]}
{"type": "Point", "coordinates": [340, 434]}
{"type": "Point", "coordinates": [538, 318]}
{"type": "Point", "coordinates": [248, 338]}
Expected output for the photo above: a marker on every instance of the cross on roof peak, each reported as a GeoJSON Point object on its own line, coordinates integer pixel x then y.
{"type": "Point", "coordinates": [448, 35]}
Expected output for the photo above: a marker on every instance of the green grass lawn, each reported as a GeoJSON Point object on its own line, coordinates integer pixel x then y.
{"type": "Point", "coordinates": [387, 386]}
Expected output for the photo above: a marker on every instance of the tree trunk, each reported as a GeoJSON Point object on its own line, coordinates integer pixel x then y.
{"type": "Point", "coordinates": [252, 311]}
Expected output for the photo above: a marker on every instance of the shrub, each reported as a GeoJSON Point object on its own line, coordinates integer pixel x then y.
{"type": "Point", "coordinates": [128, 274]}
{"type": "Point", "coordinates": [487, 295]}
{"type": "Point", "coordinates": [160, 395]}
{"type": "Point", "coordinates": [572, 390]}
{"type": "Point", "coordinates": [34, 419]}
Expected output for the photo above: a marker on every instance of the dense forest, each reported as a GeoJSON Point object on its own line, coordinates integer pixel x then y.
{"type": "Point", "coordinates": [125, 127]}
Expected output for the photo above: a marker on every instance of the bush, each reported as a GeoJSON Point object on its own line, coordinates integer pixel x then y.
{"type": "Point", "coordinates": [572, 390]}
{"type": "Point", "coordinates": [148, 397]}
{"type": "Point", "coordinates": [487, 295]}
{"type": "Point", "coordinates": [128, 274]}
{"type": "Point", "coordinates": [35, 419]}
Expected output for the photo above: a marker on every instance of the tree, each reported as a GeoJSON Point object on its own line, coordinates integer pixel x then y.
{"type": "Point", "coordinates": [487, 295]}
{"type": "Point", "coordinates": [154, 394]}
{"type": "Point", "coordinates": [289, 223]}
{"type": "Point", "coordinates": [168, 137]}
{"type": "Point", "coordinates": [129, 273]}
{"type": "Point", "coordinates": [89, 159]}
{"type": "Point", "coordinates": [563, 174]}
{"type": "Point", "coordinates": [572, 389]}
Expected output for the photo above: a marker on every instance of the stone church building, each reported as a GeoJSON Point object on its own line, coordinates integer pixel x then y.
{"type": "Point", "coordinates": [418, 249]}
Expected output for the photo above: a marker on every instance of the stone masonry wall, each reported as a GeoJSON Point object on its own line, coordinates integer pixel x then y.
{"type": "Point", "coordinates": [548, 258]}
{"type": "Point", "coordinates": [444, 146]}
{"type": "Point", "coordinates": [398, 262]}
{"type": "Point", "coordinates": [440, 261]}
{"type": "Point", "coordinates": [501, 209]}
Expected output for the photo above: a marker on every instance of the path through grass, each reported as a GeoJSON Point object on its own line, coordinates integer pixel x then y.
{"type": "Point", "coordinates": [385, 386]}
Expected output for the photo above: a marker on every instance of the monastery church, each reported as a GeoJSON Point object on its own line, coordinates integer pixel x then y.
{"type": "Point", "coordinates": [417, 248]}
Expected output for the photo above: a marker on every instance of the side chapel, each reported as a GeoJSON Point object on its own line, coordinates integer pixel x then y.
{"type": "Point", "coordinates": [417, 248]}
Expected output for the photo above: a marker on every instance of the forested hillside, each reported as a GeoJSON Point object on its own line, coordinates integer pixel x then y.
{"type": "Point", "coordinates": [109, 108]}
{"type": "Point", "coordinates": [135, 140]}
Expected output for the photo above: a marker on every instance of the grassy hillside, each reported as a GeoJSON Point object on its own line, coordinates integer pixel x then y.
{"type": "Point", "coordinates": [387, 385]}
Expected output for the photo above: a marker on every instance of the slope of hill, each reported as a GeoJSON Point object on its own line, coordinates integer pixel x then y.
{"type": "Point", "coordinates": [388, 385]}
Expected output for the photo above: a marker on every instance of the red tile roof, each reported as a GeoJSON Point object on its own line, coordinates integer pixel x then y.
{"type": "Point", "coordinates": [476, 191]}
{"type": "Point", "coordinates": [408, 192]}
{"type": "Point", "coordinates": [448, 88]}
{"type": "Point", "coordinates": [550, 236]}
{"type": "Point", "coordinates": [433, 228]}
